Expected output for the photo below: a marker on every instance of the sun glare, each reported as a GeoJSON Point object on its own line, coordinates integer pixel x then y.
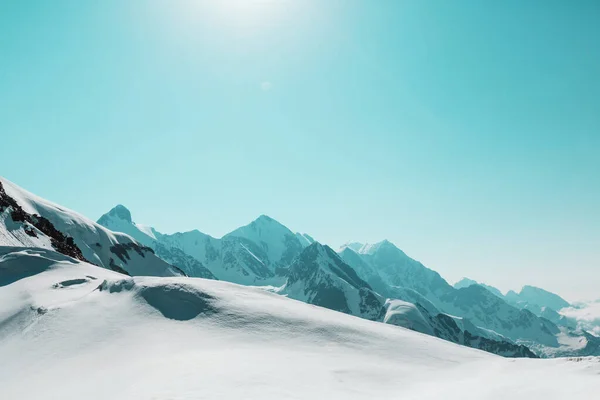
{"type": "Point", "coordinates": [254, 12]}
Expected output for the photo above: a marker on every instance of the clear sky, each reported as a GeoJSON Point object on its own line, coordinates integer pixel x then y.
{"type": "Point", "coordinates": [466, 132]}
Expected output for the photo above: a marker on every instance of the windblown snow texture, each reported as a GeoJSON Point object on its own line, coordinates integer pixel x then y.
{"type": "Point", "coordinates": [72, 330]}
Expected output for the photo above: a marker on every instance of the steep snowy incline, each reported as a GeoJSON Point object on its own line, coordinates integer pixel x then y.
{"type": "Point", "coordinates": [397, 269]}
{"type": "Point", "coordinates": [318, 276]}
{"type": "Point", "coordinates": [398, 276]}
{"type": "Point", "coordinates": [71, 330]}
{"type": "Point", "coordinates": [466, 282]}
{"type": "Point", "coordinates": [119, 220]}
{"type": "Point", "coordinates": [97, 244]}
{"type": "Point", "coordinates": [232, 259]}
{"type": "Point", "coordinates": [279, 244]}
{"type": "Point", "coordinates": [485, 309]}
{"type": "Point", "coordinates": [536, 299]}
{"type": "Point", "coordinates": [305, 239]}
{"type": "Point", "coordinates": [255, 254]}
{"type": "Point", "coordinates": [453, 329]}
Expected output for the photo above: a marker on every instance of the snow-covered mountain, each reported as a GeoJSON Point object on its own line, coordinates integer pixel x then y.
{"type": "Point", "coordinates": [485, 309]}
{"type": "Point", "coordinates": [279, 246]}
{"type": "Point", "coordinates": [535, 299]}
{"type": "Point", "coordinates": [72, 330]}
{"type": "Point", "coordinates": [358, 281]}
{"type": "Point", "coordinates": [356, 246]}
{"type": "Point", "coordinates": [305, 239]}
{"type": "Point", "coordinates": [396, 276]}
{"type": "Point", "coordinates": [539, 301]}
{"type": "Point", "coordinates": [119, 219]}
{"type": "Point", "coordinates": [453, 329]}
{"type": "Point", "coordinates": [30, 221]}
{"type": "Point", "coordinates": [396, 269]}
{"type": "Point", "coordinates": [466, 282]}
{"type": "Point", "coordinates": [257, 253]}
{"type": "Point", "coordinates": [319, 276]}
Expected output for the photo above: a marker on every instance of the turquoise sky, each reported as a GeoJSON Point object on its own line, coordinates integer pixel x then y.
{"type": "Point", "coordinates": [467, 132]}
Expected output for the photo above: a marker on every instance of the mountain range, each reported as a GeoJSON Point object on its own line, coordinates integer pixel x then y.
{"type": "Point", "coordinates": [378, 282]}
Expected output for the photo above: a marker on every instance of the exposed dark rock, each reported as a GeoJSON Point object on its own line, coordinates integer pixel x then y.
{"type": "Point", "coordinates": [505, 349]}
{"type": "Point", "coordinates": [324, 277]}
{"type": "Point", "coordinates": [116, 268]}
{"type": "Point", "coordinates": [29, 231]}
{"type": "Point", "coordinates": [62, 243]}
{"type": "Point", "coordinates": [121, 250]}
{"type": "Point", "coordinates": [445, 327]}
{"type": "Point", "coordinates": [184, 263]}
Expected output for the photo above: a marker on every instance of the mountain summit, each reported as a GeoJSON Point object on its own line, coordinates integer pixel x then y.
{"type": "Point", "coordinates": [119, 211]}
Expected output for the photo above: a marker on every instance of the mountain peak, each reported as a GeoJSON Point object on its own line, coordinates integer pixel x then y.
{"type": "Point", "coordinates": [261, 225]}
{"type": "Point", "coordinates": [317, 248]}
{"type": "Point", "coordinates": [264, 218]}
{"type": "Point", "coordinates": [305, 239]}
{"type": "Point", "coordinates": [354, 246]}
{"type": "Point", "coordinates": [120, 211]}
{"type": "Point", "coordinates": [320, 256]}
{"type": "Point", "coordinates": [465, 282]}
{"type": "Point", "coordinates": [373, 248]}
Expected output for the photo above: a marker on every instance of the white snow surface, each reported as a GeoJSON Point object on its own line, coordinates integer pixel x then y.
{"type": "Point", "coordinates": [354, 246]}
{"type": "Point", "coordinates": [305, 239]}
{"type": "Point", "coordinates": [12, 234]}
{"type": "Point", "coordinates": [143, 234]}
{"type": "Point", "coordinates": [71, 330]}
{"type": "Point", "coordinates": [268, 233]}
{"type": "Point", "coordinates": [406, 314]}
{"type": "Point", "coordinates": [94, 240]}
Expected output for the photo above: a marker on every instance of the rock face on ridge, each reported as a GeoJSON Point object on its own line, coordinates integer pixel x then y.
{"type": "Point", "coordinates": [27, 220]}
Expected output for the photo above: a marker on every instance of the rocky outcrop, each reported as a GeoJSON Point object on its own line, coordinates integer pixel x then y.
{"type": "Point", "coordinates": [61, 243]}
{"type": "Point", "coordinates": [319, 276]}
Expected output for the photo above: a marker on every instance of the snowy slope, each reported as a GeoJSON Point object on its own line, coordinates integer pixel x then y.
{"type": "Point", "coordinates": [279, 244]}
{"type": "Point", "coordinates": [365, 270]}
{"type": "Point", "coordinates": [119, 220]}
{"type": "Point", "coordinates": [466, 282]}
{"type": "Point", "coordinates": [305, 239]}
{"type": "Point", "coordinates": [397, 269]}
{"type": "Point", "coordinates": [255, 254]}
{"type": "Point", "coordinates": [232, 259]}
{"type": "Point", "coordinates": [383, 264]}
{"type": "Point", "coordinates": [355, 246]}
{"type": "Point", "coordinates": [485, 309]}
{"type": "Point", "coordinates": [318, 276]}
{"type": "Point", "coordinates": [535, 299]}
{"type": "Point", "coordinates": [97, 244]}
{"type": "Point", "coordinates": [453, 329]}
{"type": "Point", "coordinates": [71, 330]}
{"type": "Point", "coordinates": [538, 301]}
